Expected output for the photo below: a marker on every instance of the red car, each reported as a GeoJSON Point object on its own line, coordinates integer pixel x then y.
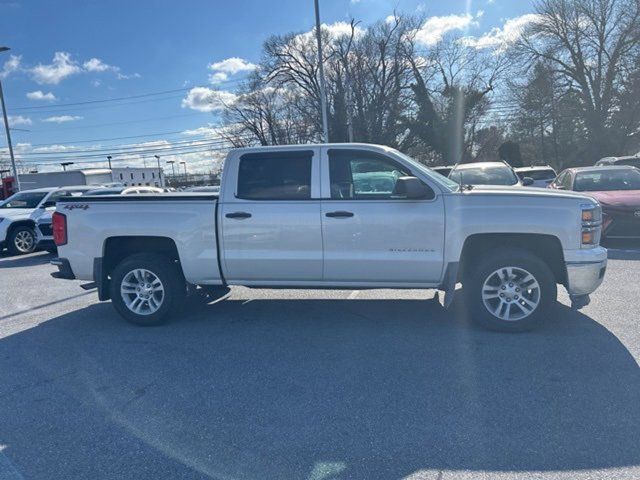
{"type": "Point", "coordinates": [617, 188]}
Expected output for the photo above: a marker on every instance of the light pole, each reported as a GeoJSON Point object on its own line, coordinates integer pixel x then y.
{"type": "Point", "coordinates": [323, 98]}
{"type": "Point", "coordinates": [6, 128]}
{"type": "Point", "coordinates": [65, 165]}
{"type": "Point", "coordinates": [159, 170]}
{"type": "Point", "coordinates": [173, 169]}
{"type": "Point", "coordinates": [184, 164]}
{"type": "Point", "coordinates": [109, 160]}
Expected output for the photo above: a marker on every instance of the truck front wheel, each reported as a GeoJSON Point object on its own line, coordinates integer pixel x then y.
{"type": "Point", "coordinates": [145, 288]}
{"type": "Point", "coordinates": [510, 290]}
{"type": "Point", "coordinates": [22, 240]}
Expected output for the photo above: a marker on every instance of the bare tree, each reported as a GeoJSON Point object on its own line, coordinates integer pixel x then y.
{"type": "Point", "coordinates": [593, 44]}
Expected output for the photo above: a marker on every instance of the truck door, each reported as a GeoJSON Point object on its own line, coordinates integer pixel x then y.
{"type": "Point", "coordinates": [270, 214]}
{"type": "Point", "coordinates": [371, 236]}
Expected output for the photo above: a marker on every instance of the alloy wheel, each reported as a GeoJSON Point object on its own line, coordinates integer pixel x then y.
{"type": "Point", "coordinates": [511, 293]}
{"type": "Point", "coordinates": [142, 291]}
{"type": "Point", "coordinates": [24, 241]}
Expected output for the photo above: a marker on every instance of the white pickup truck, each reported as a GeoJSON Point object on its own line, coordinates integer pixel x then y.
{"type": "Point", "coordinates": [350, 216]}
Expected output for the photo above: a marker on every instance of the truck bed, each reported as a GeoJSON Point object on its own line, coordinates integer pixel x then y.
{"type": "Point", "coordinates": [187, 220]}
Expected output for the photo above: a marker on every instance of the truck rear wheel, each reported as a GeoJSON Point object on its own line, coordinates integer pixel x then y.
{"type": "Point", "coordinates": [145, 288]}
{"type": "Point", "coordinates": [510, 290]}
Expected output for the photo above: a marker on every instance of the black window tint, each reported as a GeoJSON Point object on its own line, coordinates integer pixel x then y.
{"type": "Point", "coordinates": [362, 175]}
{"type": "Point", "coordinates": [275, 176]}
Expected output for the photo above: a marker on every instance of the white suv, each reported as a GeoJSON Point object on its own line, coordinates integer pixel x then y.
{"type": "Point", "coordinates": [19, 213]}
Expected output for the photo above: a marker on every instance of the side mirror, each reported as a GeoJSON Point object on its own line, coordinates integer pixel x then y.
{"type": "Point", "coordinates": [411, 188]}
{"type": "Point", "coordinates": [526, 181]}
{"type": "Point", "coordinates": [48, 204]}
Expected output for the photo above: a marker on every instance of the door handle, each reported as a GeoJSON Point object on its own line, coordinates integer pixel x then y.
{"type": "Point", "coordinates": [239, 215]}
{"type": "Point", "coordinates": [339, 214]}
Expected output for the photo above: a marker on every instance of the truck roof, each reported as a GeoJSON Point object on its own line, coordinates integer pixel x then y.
{"type": "Point", "coordinates": [302, 146]}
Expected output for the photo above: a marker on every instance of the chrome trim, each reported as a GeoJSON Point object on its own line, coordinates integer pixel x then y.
{"type": "Point", "coordinates": [584, 277]}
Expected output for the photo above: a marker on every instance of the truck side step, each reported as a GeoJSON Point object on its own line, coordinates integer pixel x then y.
{"type": "Point", "coordinates": [89, 286]}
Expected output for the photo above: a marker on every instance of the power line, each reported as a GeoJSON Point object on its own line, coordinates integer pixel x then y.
{"type": "Point", "coordinates": [129, 97]}
{"type": "Point", "coordinates": [124, 149]}
{"type": "Point", "coordinates": [129, 122]}
{"type": "Point", "coordinates": [107, 139]}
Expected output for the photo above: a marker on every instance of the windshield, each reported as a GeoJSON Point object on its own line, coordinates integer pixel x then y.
{"type": "Point", "coordinates": [484, 176]}
{"type": "Point", "coordinates": [436, 177]}
{"type": "Point", "coordinates": [24, 200]}
{"type": "Point", "coordinates": [633, 162]}
{"type": "Point", "coordinates": [605, 180]}
{"type": "Point", "coordinates": [548, 174]}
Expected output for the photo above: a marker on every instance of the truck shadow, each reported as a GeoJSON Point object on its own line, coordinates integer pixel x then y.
{"type": "Point", "coordinates": [360, 389]}
{"type": "Point", "coordinates": [30, 260]}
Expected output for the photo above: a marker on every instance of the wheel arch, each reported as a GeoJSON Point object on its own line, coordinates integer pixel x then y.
{"type": "Point", "coordinates": [115, 249]}
{"type": "Point", "coordinates": [20, 223]}
{"type": "Point", "coordinates": [546, 247]}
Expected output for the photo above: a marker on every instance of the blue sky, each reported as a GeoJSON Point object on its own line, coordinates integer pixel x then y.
{"type": "Point", "coordinates": [77, 51]}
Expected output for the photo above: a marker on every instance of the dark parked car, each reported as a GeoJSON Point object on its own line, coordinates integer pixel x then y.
{"type": "Point", "coordinates": [633, 161]}
{"type": "Point", "coordinates": [617, 188]}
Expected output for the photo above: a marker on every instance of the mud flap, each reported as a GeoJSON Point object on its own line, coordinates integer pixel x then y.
{"type": "Point", "coordinates": [449, 283]}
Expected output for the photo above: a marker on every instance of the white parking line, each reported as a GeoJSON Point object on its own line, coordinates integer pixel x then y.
{"type": "Point", "coordinates": [353, 294]}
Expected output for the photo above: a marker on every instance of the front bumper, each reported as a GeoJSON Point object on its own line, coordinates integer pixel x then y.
{"type": "Point", "coordinates": [585, 274]}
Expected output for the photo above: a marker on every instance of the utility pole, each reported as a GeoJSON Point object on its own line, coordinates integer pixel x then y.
{"type": "Point", "coordinates": [159, 170]}
{"type": "Point", "coordinates": [6, 128]}
{"type": "Point", "coordinates": [323, 97]}
{"type": "Point", "coordinates": [109, 160]}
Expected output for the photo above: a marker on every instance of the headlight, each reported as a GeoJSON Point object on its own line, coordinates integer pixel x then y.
{"type": "Point", "coordinates": [591, 225]}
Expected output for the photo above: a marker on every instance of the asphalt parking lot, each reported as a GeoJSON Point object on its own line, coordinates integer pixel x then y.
{"type": "Point", "coordinates": [315, 385]}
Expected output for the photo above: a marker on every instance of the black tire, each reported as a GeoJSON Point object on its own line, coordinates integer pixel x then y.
{"type": "Point", "coordinates": [172, 282]}
{"type": "Point", "coordinates": [16, 245]}
{"type": "Point", "coordinates": [521, 260]}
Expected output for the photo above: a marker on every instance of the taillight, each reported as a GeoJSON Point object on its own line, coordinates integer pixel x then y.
{"type": "Point", "coordinates": [59, 227]}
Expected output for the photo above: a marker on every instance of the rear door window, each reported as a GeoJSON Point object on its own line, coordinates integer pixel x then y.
{"type": "Point", "coordinates": [275, 176]}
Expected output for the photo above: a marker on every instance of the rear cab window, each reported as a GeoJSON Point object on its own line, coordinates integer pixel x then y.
{"type": "Point", "coordinates": [282, 175]}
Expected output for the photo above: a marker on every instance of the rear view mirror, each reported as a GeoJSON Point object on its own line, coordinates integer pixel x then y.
{"type": "Point", "coordinates": [526, 181]}
{"type": "Point", "coordinates": [412, 188]}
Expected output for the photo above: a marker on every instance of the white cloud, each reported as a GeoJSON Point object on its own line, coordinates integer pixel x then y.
{"type": "Point", "coordinates": [10, 66]}
{"type": "Point", "coordinates": [122, 76]}
{"type": "Point", "coordinates": [204, 99]}
{"type": "Point", "coordinates": [232, 66]}
{"type": "Point", "coordinates": [40, 95]}
{"type": "Point", "coordinates": [16, 120]}
{"type": "Point", "coordinates": [62, 119]}
{"type": "Point", "coordinates": [201, 131]}
{"type": "Point", "coordinates": [218, 77]}
{"type": "Point", "coordinates": [97, 65]}
{"type": "Point", "coordinates": [55, 149]}
{"type": "Point", "coordinates": [435, 28]}
{"type": "Point", "coordinates": [500, 38]}
{"type": "Point", "coordinates": [60, 68]}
